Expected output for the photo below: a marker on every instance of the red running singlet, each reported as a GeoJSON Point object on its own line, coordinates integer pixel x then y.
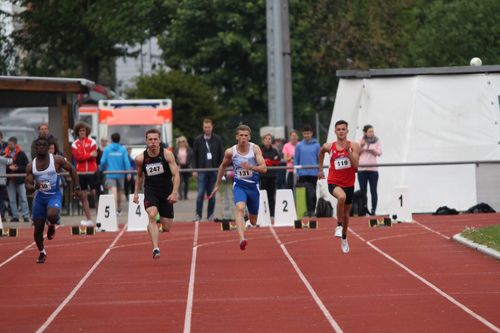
{"type": "Point", "coordinates": [341, 172]}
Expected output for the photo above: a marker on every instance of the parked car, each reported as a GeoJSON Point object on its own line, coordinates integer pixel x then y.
{"type": "Point", "coordinates": [25, 136]}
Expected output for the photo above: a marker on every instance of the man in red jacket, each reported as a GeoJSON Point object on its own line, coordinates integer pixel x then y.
{"type": "Point", "coordinates": [84, 151]}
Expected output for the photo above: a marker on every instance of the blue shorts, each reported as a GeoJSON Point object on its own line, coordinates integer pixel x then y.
{"type": "Point", "coordinates": [42, 201]}
{"type": "Point", "coordinates": [248, 195]}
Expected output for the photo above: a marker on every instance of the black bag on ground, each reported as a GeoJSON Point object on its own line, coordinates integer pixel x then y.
{"type": "Point", "coordinates": [445, 210]}
{"type": "Point", "coordinates": [324, 208]}
{"type": "Point", "coordinates": [359, 202]}
{"type": "Point", "coordinates": [480, 208]}
{"type": "Point", "coordinates": [310, 195]}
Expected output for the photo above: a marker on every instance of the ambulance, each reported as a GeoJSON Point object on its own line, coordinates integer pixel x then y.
{"type": "Point", "coordinates": [131, 118]}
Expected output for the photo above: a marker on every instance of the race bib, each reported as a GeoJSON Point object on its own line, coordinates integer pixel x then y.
{"type": "Point", "coordinates": [45, 186]}
{"type": "Point", "coordinates": [154, 169]}
{"type": "Point", "coordinates": [342, 163]}
{"type": "Point", "coordinates": [242, 173]}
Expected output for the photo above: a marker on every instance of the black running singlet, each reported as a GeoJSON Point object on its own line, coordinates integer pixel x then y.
{"type": "Point", "coordinates": [157, 174]}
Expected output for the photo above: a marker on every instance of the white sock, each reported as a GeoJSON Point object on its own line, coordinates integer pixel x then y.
{"type": "Point", "coordinates": [43, 251]}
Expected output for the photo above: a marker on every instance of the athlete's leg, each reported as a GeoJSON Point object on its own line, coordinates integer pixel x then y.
{"type": "Point", "coordinates": [340, 195]}
{"type": "Point", "coordinates": [38, 233]}
{"type": "Point", "coordinates": [152, 227]}
{"type": "Point", "coordinates": [85, 204]}
{"type": "Point", "coordinates": [239, 213]}
{"type": "Point", "coordinates": [114, 191]}
{"type": "Point", "coordinates": [253, 197]}
{"type": "Point", "coordinates": [166, 223]}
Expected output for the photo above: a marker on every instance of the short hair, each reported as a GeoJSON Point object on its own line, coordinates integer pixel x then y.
{"type": "Point", "coordinates": [79, 125]}
{"type": "Point", "coordinates": [13, 139]}
{"type": "Point", "coordinates": [366, 128]}
{"type": "Point", "coordinates": [43, 124]}
{"type": "Point", "coordinates": [266, 135]}
{"type": "Point", "coordinates": [243, 128]}
{"type": "Point", "coordinates": [341, 122]}
{"type": "Point", "coordinates": [208, 121]}
{"type": "Point", "coordinates": [307, 128]}
{"type": "Point", "coordinates": [115, 137]}
{"type": "Point", "coordinates": [43, 141]}
{"type": "Point", "coordinates": [153, 131]}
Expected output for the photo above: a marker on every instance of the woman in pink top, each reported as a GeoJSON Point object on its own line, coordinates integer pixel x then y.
{"type": "Point", "coordinates": [288, 154]}
{"type": "Point", "coordinates": [370, 149]}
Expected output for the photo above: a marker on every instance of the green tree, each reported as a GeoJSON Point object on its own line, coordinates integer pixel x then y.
{"type": "Point", "coordinates": [78, 37]}
{"type": "Point", "coordinates": [192, 99]}
{"type": "Point", "coordinates": [224, 43]}
{"type": "Point", "coordinates": [450, 33]}
{"type": "Point", "coordinates": [5, 48]}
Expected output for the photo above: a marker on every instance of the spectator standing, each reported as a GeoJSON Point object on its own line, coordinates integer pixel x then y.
{"type": "Point", "coordinates": [3, 180]}
{"type": "Point", "coordinates": [84, 151]}
{"type": "Point", "coordinates": [306, 153]}
{"type": "Point", "coordinates": [15, 185]}
{"type": "Point", "coordinates": [208, 152]}
{"type": "Point", "coordinates": [268, 179]}
{"type": "Point", "coordinates": [130, 184]}
{"type": "Point", "coordinates": [278, 144]}
{"type": "Point", "coordinates": [4, 161]}
{"type": "Point", "coordinates": [43, 132]}
{"type": "Point", "coordinates": [288, 155]}
{"type": "Point", "coordinates": [62, 181]}
{"type": "Point", "coordinates": [3, 144]}
{"type": "Point", "coordinates": [183, 155]}
{"type": "Point", "coordinates": [370, 150]}
{"type": "Point", "coordinates": [115, 158]}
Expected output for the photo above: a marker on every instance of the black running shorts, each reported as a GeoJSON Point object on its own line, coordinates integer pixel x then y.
{"type": "Point", "coordinates": [349, 192]}
{"type": "Point", "coordinates": [159, 200]}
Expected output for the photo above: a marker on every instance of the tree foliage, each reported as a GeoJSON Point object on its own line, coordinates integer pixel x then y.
{"type": "Point", "coordinates": [5, 47]}
{"type": "Point", "coordinates": [192, 99]}
{"type": "Point", "coordinates": [75, 37]}
{"type": "Point", "coordinates": [224, 43]}
{"type": "Point", "coordinates": [450, 33]}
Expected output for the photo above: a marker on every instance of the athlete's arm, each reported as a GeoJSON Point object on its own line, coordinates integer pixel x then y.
{"type": "Point", "coordinates": [354, 154]}
{"type": "Point", "coordinates": [321, 157]}
{"type": "Point", "coordinates": [172, 198]}
{"type": "Point", "coordinates": [138, 178]}
{"type": "Point", "coordinates": [61, 162]}
{"type": "Point", "coordinates": [28, 181]}
{"type": "Point", "coordinates": [228, 156]}
{"type": "Point", "coordinates": [261, 163]}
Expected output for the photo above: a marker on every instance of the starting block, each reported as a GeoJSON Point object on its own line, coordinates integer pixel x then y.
{"type": "Point", "coordinates": [226, 224]}
{"type": "Point", "coordinates": [301, 224]}
{"type": "Point", "coordinates": [383, 222]}
{"type": "Point", "coordinates": [81, 230]}
{"type": "Point", "coordinates": [8, 232]}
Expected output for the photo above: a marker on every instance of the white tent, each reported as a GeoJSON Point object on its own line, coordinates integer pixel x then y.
{"type": "Point", "coordinates": [428, 115]}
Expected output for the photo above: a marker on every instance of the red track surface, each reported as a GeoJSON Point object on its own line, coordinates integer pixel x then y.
{"type": "Point", "coordinates": [408, 278]}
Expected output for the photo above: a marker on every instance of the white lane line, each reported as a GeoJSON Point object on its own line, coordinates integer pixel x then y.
{"type": "Point", "coordinates": [192, 275]}
{"type": "Point", "coordinates": [432, 230]}
{"type": "Point", "coordinates": [16, 254]}
{"type": "Point", "coordinates": [311, 290]}
{"type": "Point", "coordinates": [432, 286]}
{"type": "Point", "coordinates": [80, 284]}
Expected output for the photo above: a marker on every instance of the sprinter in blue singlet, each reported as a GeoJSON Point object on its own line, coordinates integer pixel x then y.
{"type": "Point", "coordinates": [248, 162]}
{"type": "Point", "coordinates": [41, 176]}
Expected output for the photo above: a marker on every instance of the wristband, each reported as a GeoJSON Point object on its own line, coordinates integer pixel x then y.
{"type": "Point", "coordinates": [78, 188]}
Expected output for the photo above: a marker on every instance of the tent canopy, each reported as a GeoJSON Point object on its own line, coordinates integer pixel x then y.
{"type": "Point", "coordinates": [431, 115]}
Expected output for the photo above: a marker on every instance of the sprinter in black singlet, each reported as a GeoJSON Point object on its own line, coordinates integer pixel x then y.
{"type": "Point", "coordinates": [157, 166]}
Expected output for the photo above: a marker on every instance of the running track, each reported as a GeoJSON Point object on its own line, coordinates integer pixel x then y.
{"type": "Point", "coordinates": [408, 278]}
